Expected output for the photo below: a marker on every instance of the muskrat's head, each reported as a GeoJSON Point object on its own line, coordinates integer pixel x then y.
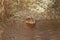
{"type": "Point", "coordinates": [30, 21]}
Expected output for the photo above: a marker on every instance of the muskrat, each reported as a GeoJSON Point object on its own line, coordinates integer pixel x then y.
{"type": "Point", "coordinates": [30, 22]}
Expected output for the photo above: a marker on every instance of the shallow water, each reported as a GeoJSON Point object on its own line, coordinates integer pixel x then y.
{"type": "Point", "coordinates": [19, 31]}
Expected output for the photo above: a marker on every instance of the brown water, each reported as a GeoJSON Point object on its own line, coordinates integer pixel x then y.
{"type": "Point", "coordinates": [43, 30]}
